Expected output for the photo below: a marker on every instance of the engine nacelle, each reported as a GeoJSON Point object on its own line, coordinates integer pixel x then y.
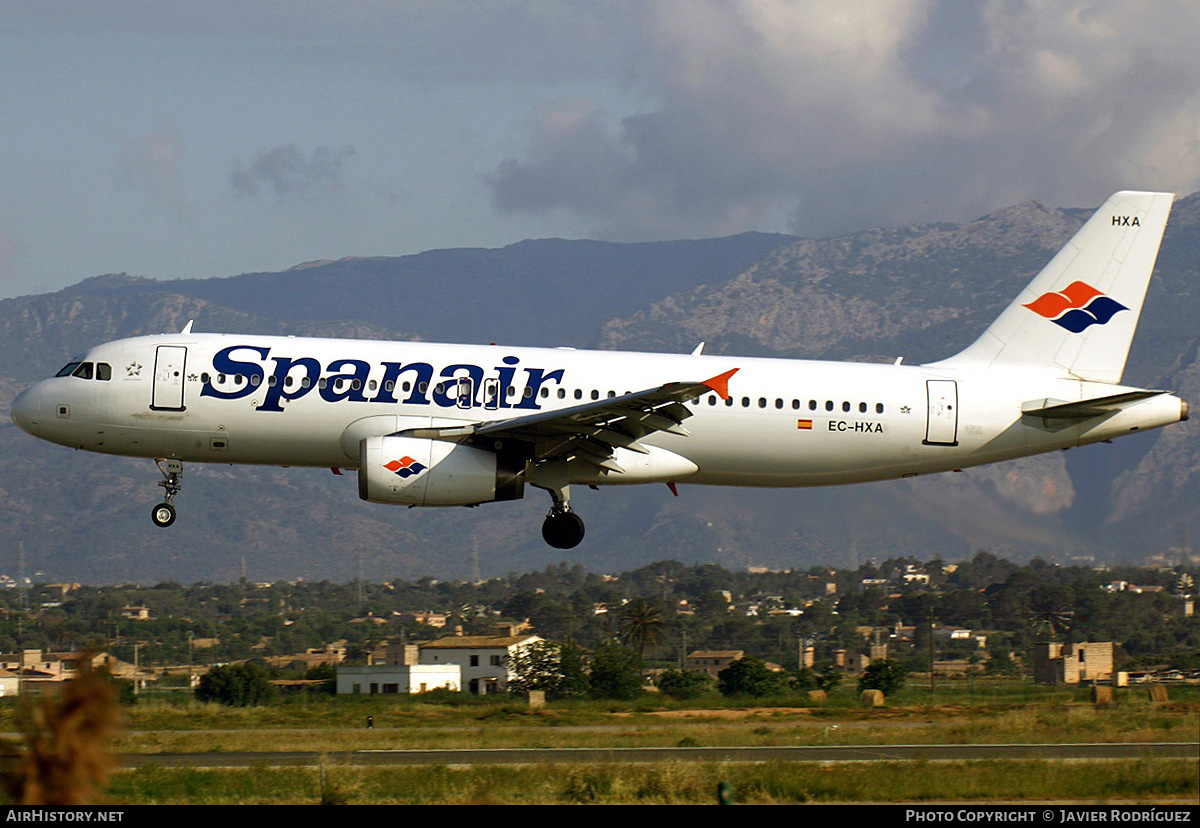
{"type": "Point", "coordinates": [421, 472]}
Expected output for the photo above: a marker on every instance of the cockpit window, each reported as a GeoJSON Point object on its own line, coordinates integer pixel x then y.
{"type": "Point", "coordinates": [67, 369]}
{"type": "Point", "coordinates": [103, 371]}
{"type": "Point", "coordinates": [84, 371]}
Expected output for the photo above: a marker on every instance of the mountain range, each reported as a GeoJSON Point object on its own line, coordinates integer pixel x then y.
{"type": "Point", "coordinates": [920, 292]}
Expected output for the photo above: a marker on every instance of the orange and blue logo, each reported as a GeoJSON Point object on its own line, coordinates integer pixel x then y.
{"type": "Point", "coordinates": [1077, 307]}
{"type": "Point", "coordinates": [404, 467]}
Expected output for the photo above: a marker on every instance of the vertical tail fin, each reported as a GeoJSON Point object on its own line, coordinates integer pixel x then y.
{"type": "Point", "coordinates": [1080, 313]}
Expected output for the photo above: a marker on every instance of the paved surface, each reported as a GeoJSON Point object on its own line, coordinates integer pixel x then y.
{"type": "Point", "coordinates": [520, 756]}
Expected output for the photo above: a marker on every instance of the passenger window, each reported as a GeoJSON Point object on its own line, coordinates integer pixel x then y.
{"type": "Point", "coordinates": [862, 407]}
{"type": "Point", "coordinates": [579, 393]}
{"type": "Point", "coordinates": [595, 394]}
{"type": "Point", "coordinates": [745, 402]}
{"type": "Point", "coordinates": [104, 372]}
{"type": "Point", "coordinates": [562, 393]}
{"type": "Point", "coordinates": [845, 406]}
{"type": "Point", "coordinates": [829, 405]}
{"type": "Point", "coordinates": [795, 405]}
{"type": "Point", "coordinates": [878, 408]}
{"type": "Point", "coordinates": [528, 392]}
{"type": "Point", "coordinates": [545, 393]}
{"type": "Point", "coordinates": [84, 371]}
{"type": "Point", "coordinates": [812, 405]}
{"type": "Point", "coordinates": [778, 403]}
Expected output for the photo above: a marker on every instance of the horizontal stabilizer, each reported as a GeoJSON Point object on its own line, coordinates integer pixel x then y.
{"type": "Point", "coordinates": [1084, 409]}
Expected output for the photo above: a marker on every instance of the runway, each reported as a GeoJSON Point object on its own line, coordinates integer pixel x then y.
{"type": "Point", "coordinates": [806, 753]}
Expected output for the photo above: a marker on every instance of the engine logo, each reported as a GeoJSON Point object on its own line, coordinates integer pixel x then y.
{"type": "Point", "coordinates": [404, 467]}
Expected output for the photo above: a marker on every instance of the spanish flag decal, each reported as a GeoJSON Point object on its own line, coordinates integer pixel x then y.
{"type": "Point", "coordinates": [804, 425]}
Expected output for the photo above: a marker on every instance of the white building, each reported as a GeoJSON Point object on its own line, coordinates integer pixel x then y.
{"type": "Point", "coordinates": [390, 679]}
{"type": "Point", "coordinates": [483, 659]}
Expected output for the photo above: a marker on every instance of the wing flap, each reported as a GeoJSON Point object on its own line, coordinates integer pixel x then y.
{"type": "Point", "coordinates": [594, 429]}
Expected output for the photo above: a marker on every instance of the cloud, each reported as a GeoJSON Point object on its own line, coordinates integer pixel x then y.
{"type": "Point", "coordinates": [824, 116]}
{"type": "Point", "coordinates": [285, 171]}
{"type": "Point", "coordinates": [150, 165]}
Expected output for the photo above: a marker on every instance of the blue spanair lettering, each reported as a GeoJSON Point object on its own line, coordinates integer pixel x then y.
{"type": "Point", "coordinates": [277, 390]}
{"type": "Point", "coordinates": [349, 379]}
{"type": "Point", "coordinates": [346, 386]}
{"type": "Point", "coordinates": [223, 363]}
{"type": "Point", "coordinates": [537, 378]}
{"type": "Point", "coordinates": [446, 393]}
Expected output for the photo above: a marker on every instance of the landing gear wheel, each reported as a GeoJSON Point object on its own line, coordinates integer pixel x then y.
{"type": "Point", "coordinates": [163, 515]}
{"type": "Point", "coordinates": [563, 530]}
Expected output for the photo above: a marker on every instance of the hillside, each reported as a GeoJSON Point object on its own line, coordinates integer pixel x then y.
{"type": "Point", "coordinates": [921, 292]}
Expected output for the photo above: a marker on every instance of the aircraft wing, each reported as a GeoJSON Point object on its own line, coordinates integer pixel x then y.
{"type": "Point", "coordinates": [592, 430]}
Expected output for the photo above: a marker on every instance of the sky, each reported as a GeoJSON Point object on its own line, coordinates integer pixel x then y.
{"type": "Point", "coordinates": [182, 139]}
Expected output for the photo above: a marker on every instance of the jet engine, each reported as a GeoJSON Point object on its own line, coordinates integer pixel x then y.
{"type": "Point", "coordinates": [421, 472]}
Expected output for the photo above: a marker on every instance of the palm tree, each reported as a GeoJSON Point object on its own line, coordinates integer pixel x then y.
{"type": "Point", "coordinates": [641, 624]}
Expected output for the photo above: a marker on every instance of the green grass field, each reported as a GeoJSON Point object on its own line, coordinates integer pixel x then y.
{"type": "Point", "coordinates": [336, 726]}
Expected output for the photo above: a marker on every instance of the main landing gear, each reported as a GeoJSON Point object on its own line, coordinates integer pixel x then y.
{"type": "Point", "coordinates": [172, 471]}
{"type": "Point", "coordinates": [562, 529]}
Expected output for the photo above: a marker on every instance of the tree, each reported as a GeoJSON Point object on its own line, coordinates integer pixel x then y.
{"type": "Point", "coordinates": [886, 676]}
{"type": "Point", "coordinates": [642, 624]}
{"type": "Point", "coordinates": [684, 684]}
{"type": "Point", "coordinates": [554, 668]}
{"type": "Point", "coordinates": [750, 677]}
{"type": "Point", "coordinates": [616, 673]}
{"type": "Point", "coordinates": [236, 685]}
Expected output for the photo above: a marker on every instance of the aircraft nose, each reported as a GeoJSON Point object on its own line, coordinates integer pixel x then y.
{"type": "Point", "coordinates": [25, 410]}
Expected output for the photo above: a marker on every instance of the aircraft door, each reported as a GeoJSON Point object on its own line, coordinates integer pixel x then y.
{"type": "Point", "coordinates": [491, 393]}
{"type": "Point", "coordinates": [941, 428]}
{"type": "Point", "coordinates": [465, 393]}
{"type": "Point", "coordinates": [170, 362]}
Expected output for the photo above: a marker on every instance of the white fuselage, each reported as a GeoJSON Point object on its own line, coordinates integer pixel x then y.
{"type": "Point", "coordinates": [224, 398]}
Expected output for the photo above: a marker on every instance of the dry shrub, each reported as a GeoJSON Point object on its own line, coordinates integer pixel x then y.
{"type": "Point", "coordinates": [65, 758]}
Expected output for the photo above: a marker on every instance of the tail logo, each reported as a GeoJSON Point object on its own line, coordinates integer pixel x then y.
{"type": "Point", "coordinates": [1077, 307]}
{"type": "Point", "coordinates": [404, 467]}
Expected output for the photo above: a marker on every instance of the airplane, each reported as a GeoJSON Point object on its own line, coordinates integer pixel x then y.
{"type": "Point", "coordinates": [462, 425]}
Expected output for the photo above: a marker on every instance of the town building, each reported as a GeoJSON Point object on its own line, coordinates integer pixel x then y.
{"type": "Point", "coordinates": [485, 660]}
{"type": "Point", "coordinates": [712, 662]}
{"type": "Point", "coordinates": [1056, 663]}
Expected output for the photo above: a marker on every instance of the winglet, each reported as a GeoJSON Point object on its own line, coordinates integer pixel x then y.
{"type": "Point", "coordinates": [187, 329]}
{"type": "Point", "coordinates": [720, 383]}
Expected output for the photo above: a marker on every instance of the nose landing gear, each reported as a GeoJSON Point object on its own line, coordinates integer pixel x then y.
{"type": "Point", "coordinates": [163, 514]}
